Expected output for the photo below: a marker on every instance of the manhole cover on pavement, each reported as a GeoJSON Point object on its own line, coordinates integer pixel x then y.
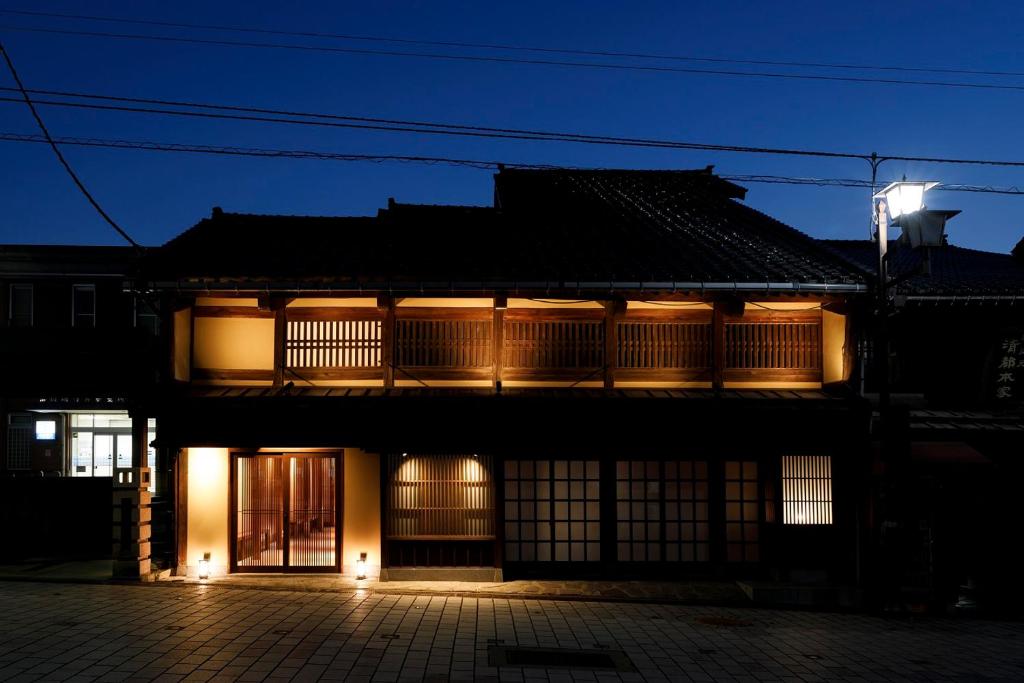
{"type": "Point", "coordinates": [723, 621]}
{"type": "Point", "coordinates": [559, 658]}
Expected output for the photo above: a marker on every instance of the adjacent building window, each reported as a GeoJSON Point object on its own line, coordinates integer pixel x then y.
{"type": "Point", "coordinates": [46, 430]}
{"type": "Point", "coordinates": [807, 489]}
{"type": "Point", "coordinates": [83, 305]}
{"type": "Point", "coordinates": [19, 442]}
{"type": "Point", "coordinates": [147, 316]}
{"type": "Point", "coordinates": [552, 511]}
{"type": "Point", "coordinates": [20, 313]}
{"type": "Point", "coordinates": [101, 441]}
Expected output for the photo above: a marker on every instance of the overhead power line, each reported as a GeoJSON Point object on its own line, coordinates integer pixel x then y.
{"type": "Point", "coordinates": [484, 164]}
{"type": "Point", "coordinates": [605, 66]}
{"type": "Point", "coordinates": [56, 150]}
{"type": "Point", "coordinates": [286, 117]}
{"type": "Point", "coordinates": [509, 47]}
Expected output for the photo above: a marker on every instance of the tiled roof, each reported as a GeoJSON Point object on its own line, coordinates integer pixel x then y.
{"type": "Point", "coordinates": [548, 229]}
{"type": "Point", "coordinates": [952, 270]}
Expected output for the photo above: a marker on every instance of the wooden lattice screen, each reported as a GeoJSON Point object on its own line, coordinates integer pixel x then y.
{"type": "Point", "coordinates": [553, 344]}
{"type": "Point", "coordinates": [334, 344]}
{"type": "Point", "coordinates": [769, 346]}
{"type": "Point", "coordinates": [440, 497]}
{"type": "Point", "coordinates": [653, 346]}
{"type": "Point", "coordinates": [440, 343]}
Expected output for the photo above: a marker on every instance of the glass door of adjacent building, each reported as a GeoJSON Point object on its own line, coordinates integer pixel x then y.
{"type": "Point", "coordinates": [286, 513]}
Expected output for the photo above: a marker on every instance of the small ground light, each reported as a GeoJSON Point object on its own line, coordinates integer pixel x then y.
{"type": "Point", "coordinates": [204, 566]}
{"type": "Point", "coordinates": [361, 566]}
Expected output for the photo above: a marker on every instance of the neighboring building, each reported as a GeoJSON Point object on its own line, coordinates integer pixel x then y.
{"type": "Point", "coordinates": [949, 458]}
{"type": "Point", "coordinates": [604, 374]}
{"type": "Point", "coordinates": [75, 348]}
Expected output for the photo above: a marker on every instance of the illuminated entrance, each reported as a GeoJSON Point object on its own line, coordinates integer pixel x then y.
{"type": "Point", "coordinates": [286, 513]}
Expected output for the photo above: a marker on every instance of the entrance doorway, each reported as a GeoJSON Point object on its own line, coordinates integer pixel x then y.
{"type": "Point", "coordinates": [287, 515]}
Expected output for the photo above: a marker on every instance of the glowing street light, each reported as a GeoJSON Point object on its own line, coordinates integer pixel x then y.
{"type": "Point", "coordinates": [905, 196]}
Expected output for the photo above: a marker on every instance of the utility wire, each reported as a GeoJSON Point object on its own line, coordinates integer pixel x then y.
{"type": "Point", "coordinates": [240, 113]}
{"type": "Point", "coordinates": [59, 154]}
{"type": "Point", "coordinates": [511, 48]}
{"type": "Point", "coordinates": [483, 164]}
{"type": "Point", "coordinates": [606, 66]}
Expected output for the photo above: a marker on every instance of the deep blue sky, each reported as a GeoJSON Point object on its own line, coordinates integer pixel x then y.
{"type": "Point", "coordinates": [156, 195]}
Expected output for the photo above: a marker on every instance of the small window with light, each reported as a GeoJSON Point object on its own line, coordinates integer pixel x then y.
{"type": "Point", "coordinates": [807, 489]}
{"type": "Point", "coordinates": [46, 430]}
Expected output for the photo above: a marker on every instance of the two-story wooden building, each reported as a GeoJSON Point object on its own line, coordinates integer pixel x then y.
{"type": "Point", "coordinates": [603, 374]}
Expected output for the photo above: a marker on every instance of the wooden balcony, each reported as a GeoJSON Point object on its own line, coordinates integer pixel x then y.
{"type": "Point", "coordinates": [483, 346]}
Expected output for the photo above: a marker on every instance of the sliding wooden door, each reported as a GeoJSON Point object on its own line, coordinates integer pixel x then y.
{"type": "Point", "coordinates": [286, 512]}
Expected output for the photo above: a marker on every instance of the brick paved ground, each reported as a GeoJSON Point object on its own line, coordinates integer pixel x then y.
{"type": "Point", "coordinates": [190, 632]}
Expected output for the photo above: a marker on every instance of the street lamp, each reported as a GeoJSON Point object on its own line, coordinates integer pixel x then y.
{"type": "Point", "coordinates": [901, 198]}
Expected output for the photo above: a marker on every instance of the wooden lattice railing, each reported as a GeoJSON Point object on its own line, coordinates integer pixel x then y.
{"type": "Point", "coordinates": [436, 344]}
{"type": "Point", "coordinates": [664, 348]}
{"type": "Point", "coordinates": [557, 345]}
{"type": "Point", "coordinates": [771, 346]}
{"type": "Point", "coordinates": [385, 344]}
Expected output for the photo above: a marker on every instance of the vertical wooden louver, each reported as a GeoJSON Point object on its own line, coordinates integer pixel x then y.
{"type": "Point", "coordinates": [260, 506]}
{"type": "Point", "coordinates": [440, 497]}
{"type": "Point", "coordinates": [444, 344]}
{"type": "Point", "coordinates": [556, 345]}
{"type": "Point", "coordinates": [766, 346]}
{"type": "Point", "coordinates": [806, 489]}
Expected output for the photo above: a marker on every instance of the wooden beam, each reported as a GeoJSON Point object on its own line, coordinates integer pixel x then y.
{"type": "Point", "coordinates": [498, 337]}
{"type": "Point", "coordinates": [233, 374]}
{"type": "Point", "coordinates": [613, 310]}
{"type": "Point", "coordinates": [181, 508]}
{"type": "Point", "coordinates": [230, 312]}
{"type": "Point", "coordinates": [386, 308]}
{"type": "Point", "coordinates": [280, 339]}
{"type": "Point", "coordinates": [718, 346]}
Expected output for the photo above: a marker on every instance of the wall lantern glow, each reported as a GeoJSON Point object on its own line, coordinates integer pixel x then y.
{"type": "Point", "coordinates": [204, 566]}
{"type": "Point", "coordinates": [905, 196]}
{"type": "Point", "coordinates": [405, 455]}
{"type": "Point", "coordinates": [361, 566]}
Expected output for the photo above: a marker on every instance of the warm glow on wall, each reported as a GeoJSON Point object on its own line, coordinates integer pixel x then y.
{"type": "Point", "coordinates": [208, 473]}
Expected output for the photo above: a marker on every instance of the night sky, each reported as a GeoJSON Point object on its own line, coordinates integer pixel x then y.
{"type": "Point", "coordinates": [157, 195]}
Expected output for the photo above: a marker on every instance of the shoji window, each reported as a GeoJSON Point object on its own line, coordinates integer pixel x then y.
{"type": "Point", "coordinates": [20, 312]}
{"type": "Point", "coordinates": [687, 532]}
{"type": "Point", "coordinates": [806, 489]}
{"type": "Point", "coordinates": [742, 505]}
{"type": "Point", "coordinates": [552, 511]}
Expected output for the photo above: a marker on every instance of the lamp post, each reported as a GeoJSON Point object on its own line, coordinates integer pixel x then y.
{"type": "Point", "coordinates": [900, 198]}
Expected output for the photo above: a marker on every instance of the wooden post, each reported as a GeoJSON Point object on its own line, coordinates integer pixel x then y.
{"type": "Point", "coordinates": [280, 339]}
{"type": "Point", "coordinates": [500, 304]}
{"type": "Point", "coordinates": [718, 345]}
{"type": "Point", "coordinates": [181, 510]}
{"type": "Point", "coordinates": [613, 310]}
{"type": "Point", "coordinates": [387, 339]}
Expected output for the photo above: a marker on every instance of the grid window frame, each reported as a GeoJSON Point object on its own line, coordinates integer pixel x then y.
{"type": "Point", "coordinates": [15, 319]}
{"type": "Point", "coordinates": [83, 316]}
{"type": "Point", "coordinates": [552, 511]}
{"type": "Point", "coordinates": [742, 507]}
